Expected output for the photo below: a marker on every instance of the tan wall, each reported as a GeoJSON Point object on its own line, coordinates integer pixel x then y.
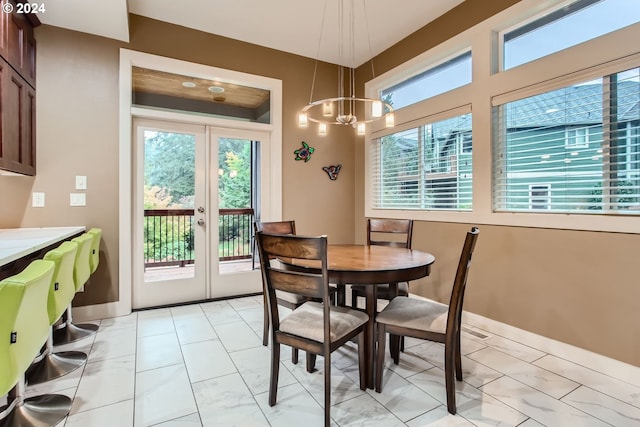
{"type": "Point", "coordinates": [577, 287]}
{"type": "Point", "coordinates": [77, 134]}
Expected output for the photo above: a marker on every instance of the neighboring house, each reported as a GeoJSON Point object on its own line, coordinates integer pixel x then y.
{"type": "Point", "coordinates": [554, 154]}
{"type": "Point", "coordinates": [559, 148]}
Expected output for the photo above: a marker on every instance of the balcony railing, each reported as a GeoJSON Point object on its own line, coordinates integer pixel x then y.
{"type": "Point", "coordinates": [169, 240]}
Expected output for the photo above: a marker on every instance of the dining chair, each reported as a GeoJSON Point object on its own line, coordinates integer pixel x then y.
{"type": "Point", "coordinates": [298, 264]}
{"type": "Point", "coordinates": [286, 299]}
{"type": "Point", "coordinates": [432, 321]}
{"type": "Point", "coordinates": [393, 232]}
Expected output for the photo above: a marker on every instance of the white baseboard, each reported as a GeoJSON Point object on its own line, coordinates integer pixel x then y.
{"type": "Point", "coordinates": [603, 364]}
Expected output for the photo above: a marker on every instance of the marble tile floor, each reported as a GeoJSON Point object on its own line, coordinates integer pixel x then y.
{"type": "Point", "coordinates": [204, 365]}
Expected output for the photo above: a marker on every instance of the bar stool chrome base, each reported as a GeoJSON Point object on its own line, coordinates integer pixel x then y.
{"type": "Point", "coordinates": [39, 411]}
{"type": "Point", "coordinates": [72, 332]}
{"type": "Point", "coordinates": [55, 365]}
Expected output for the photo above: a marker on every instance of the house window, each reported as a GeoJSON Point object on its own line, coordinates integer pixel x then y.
{"type": "Point", "coordinates": [568, 26]}
{"type": "Point", "coordinates": [539, 196]}
{"type": "Point", "coordinates": [581, 139]}
{"type": "Point", "coordinates": [576, 137]}
{"type": "Point", "coordinates": [438, 79]}
{"type": "Point", "coordinates": [428, 167]}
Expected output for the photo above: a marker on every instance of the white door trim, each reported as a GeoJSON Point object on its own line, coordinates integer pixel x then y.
{"type": "Point", "coordinates": [128, 59]}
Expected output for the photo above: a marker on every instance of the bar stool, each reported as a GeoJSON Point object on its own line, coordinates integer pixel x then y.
{"type": "Point", "coordinates": [94, 259]}
{"type": "Point", "coordinates": [49, 365]}
{"type": "Point", "coordinates": [24, 327]}
{"type": "Point", "coordinates": [68, 331]}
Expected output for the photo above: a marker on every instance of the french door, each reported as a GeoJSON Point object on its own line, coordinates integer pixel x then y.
{"type": "Point", "coordinates": [185, 175]}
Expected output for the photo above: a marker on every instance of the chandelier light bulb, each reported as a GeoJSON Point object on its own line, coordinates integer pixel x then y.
{"type": "Point", "coordinates": [327, 109]}
{"type": "Point", "coordinates": [322, 129]}
{"type": "Point", "coordinates": [361, 128]}
{"type": "Point", "coordinates": [390, 120]}
{"type": "Point", "coordinates": [303, 120]}
{"type": "Point", "coordinates": [376, 109]}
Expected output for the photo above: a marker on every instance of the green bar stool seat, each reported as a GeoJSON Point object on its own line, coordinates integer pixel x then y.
{"type": "Point", "coordinates": [68, 331]}
{"type": "Point", "coordinates": [24, 328]}
{"type": "Point", "coordinates": [49, 365]}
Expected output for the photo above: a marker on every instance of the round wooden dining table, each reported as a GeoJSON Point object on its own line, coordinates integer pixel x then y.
{"type": "Point", "coordinates": [375, 265]}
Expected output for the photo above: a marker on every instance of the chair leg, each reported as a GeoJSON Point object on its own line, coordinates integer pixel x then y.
{"type": "Point", "coordinates": [362, 357]}
{"type": "Point", "coordinates": [380, 356]}
{"type": "Point", "coordinates": [450, 384]}
{"type": "Point", "coordinates": [340, 295]}
{"type": "Point", "coordinates": [327, 388]}
{"type": "Point", "coordinates": [294, 355]}
{"type": "Point", "coordinates": [311, 362]}
{"type": "Point", "coordinates": [458, 364]}
{"type": "Point", "coordinates": [275, 370]}
{"type": "Point", "coordinates": [458, 359]}
{"type": "Point", "coordinates": [354, 300]}
{"type": "Point", "coordinates": [394, 348]}
{"type": "Point", "coordinates": [265, 322]}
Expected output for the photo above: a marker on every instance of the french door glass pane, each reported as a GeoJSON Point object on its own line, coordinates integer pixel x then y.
{"type": "Point", "coordinates": [235, 223]}
{"type": "Point", "coordinates": [169, 193]}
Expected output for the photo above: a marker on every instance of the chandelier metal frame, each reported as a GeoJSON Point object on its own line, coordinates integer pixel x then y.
{"type": "Point", "coordinates": [346, 105]}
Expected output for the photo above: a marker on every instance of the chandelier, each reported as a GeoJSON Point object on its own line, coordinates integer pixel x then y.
{"type": "Point", "coordinates": [341, 109]}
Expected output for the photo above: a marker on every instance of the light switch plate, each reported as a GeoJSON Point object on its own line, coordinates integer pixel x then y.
{"type": "Point", "coordinates": [37, 200]}
{"type": "Point", "coordinates": [77, 199]}
{"type": "Point", "coordinates": [81, 182]}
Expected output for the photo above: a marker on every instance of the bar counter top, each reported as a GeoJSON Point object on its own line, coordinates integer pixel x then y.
{"type": "Point", "coordinates": [16, 243]}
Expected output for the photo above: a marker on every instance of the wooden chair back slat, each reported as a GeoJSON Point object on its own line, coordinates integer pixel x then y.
{"type": "Point", "coordinates": [276, 227]}
{"type": "Point", "coordinates": [389, 230]}
{"type": "Point", "coordinates": [308, 285]}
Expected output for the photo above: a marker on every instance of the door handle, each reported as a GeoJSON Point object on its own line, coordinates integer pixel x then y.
{"type": "Point", "coordinates": [201, 222]}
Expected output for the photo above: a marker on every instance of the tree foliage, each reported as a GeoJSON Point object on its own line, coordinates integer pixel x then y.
{"type": "Point", "coordinates": [169, 163]}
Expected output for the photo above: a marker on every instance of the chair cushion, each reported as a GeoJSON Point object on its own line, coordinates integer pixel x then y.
{"type": "Point", "coordinates": [424, 315]}
{"type": "Point", "coordinates": [307, 321]}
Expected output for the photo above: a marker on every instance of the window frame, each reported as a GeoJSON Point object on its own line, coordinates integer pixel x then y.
{"type": "Point", "coordinates": [595, 58]}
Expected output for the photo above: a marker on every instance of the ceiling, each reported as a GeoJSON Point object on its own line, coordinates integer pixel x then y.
{"type": "Point", "coordinates": [295, 26]}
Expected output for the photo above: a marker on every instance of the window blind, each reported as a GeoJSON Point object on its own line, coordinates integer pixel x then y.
{"type": "Point", "coordinates": [575, 149]}
{"type": "Point", "coordinates": [426, 167]}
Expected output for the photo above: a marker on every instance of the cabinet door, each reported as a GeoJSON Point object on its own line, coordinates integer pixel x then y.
{"type": "Point", "coordinates": [17, 148]}
{"type": "Point", "coordinates": [21, 46]}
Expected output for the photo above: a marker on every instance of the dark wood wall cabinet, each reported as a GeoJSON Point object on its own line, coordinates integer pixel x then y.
{"type": "Point", "coordinates": [18, 91]}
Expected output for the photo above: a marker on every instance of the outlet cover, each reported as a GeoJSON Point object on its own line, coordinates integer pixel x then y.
{"type": "Point", "coordinates": [77, 199]}
{"type": "Point", "coordinates": [37, 200]}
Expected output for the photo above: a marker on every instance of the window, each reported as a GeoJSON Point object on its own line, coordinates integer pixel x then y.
{"type": "Point", "coordinates": [427, 167]}
{"type": "Point", "coordinates": [576, 137]}
{"type": "Point", "coordinates": [573, 24]}
{"type": "Point", "coordinates": [581, 141]}
{"type": "Point", "coordinates": [449, 75]}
